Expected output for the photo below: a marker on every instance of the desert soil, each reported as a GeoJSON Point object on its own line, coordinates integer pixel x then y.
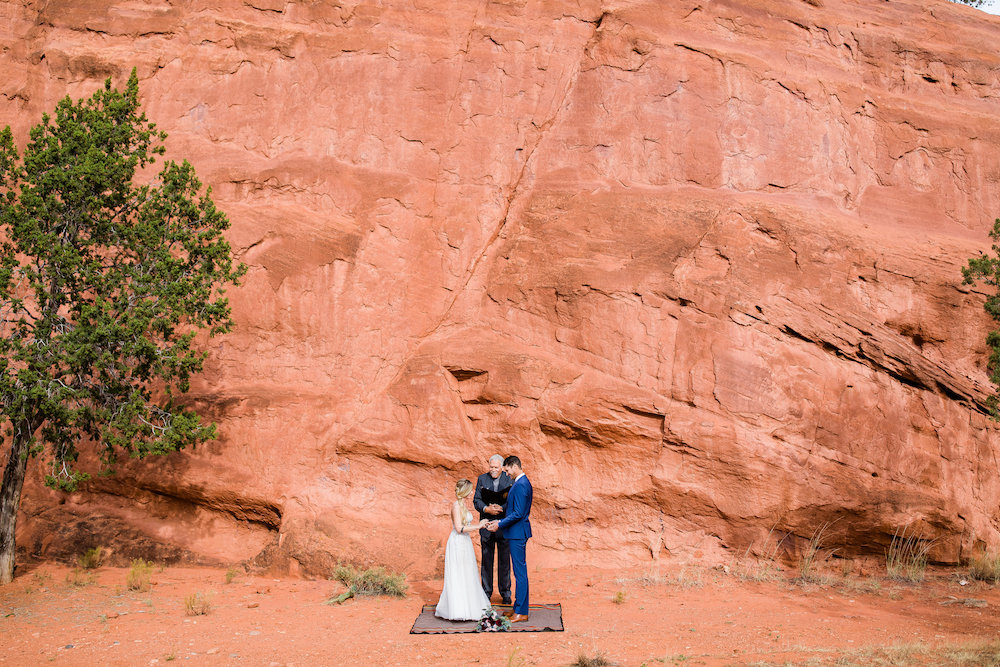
{"type": "Point", "coordinates": [672, 615]}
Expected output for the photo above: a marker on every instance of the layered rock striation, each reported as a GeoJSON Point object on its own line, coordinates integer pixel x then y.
{"type": "Point", "coordinates": [696, 262]}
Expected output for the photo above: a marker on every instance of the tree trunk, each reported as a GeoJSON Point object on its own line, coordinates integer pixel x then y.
{"type": "Point", "coordinates": [10, 500]}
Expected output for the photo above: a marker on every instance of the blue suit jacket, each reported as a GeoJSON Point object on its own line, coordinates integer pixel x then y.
{"type": "Point", "coordinates": [516, 524]}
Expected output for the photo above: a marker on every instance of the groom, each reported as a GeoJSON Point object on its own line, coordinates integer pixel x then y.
{"type": "Point", "coordinates": [516, 527]}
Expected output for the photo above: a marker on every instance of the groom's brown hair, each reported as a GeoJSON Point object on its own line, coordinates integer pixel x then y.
{"type": "Point", "coordinates": [512, 461]}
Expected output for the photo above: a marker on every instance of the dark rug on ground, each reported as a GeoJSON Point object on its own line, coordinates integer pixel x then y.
{"type": "Point", "coordinates": [541, 618]}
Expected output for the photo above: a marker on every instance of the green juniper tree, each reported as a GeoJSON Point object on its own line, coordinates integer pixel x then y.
{"type": "Point", "coordinates": [104, 286]}
{"type": "Point", "coordinates": [987, 269]}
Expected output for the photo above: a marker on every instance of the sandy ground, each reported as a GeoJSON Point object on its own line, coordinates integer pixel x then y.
{"type": "Point", "coordinates": [673, 616]}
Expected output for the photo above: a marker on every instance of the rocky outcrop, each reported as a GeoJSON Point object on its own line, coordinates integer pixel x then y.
{"type": "Point", "coordinates": [696, 262]}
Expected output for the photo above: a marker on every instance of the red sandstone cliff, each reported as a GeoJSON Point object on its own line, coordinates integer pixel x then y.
{"type": "Point", "coordinates": [697, 262]}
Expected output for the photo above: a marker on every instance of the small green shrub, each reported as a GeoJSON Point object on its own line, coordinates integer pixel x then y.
{"type": "Point", "coordinates": [91, 559]}
{"type": "Point", "coordinates": [231, 574]}
{"type": "Point", "coordinates": [138, 578]}
{"type": "Point", "coordinates": [198, 604]}
{"type": "Point", "coordinates": [985, 566]}
{"type": "Point", "coordinates": [374, 581]}
{"type": "Point", "coordinates": [906, 559]}
{"type": "Point", "coordinates": [619, 597]}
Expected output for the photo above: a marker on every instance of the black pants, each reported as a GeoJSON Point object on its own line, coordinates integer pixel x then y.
{"type": "Point", "coordinates": [489, 541]}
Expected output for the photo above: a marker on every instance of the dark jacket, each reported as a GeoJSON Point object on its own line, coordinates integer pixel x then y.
{"type": "Point", "coordinates": [485, 481]}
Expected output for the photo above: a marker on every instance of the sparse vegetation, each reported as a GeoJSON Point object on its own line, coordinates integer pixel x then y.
{"type": "Point", "coordinates": [689, 577]}
{"type": "Point", "coordinates": [514, 658]}
{"type": "Point", "coordinates": [138, 578]}
{"type": "Point", "coordinates": [760, 564]}
{"type": "Point", "coordinates": [619, 597]}
{"type": "Point", "coordinates": [852, 585]}
{"type": "Point", "coordinates": [813, 555]}
{"type": "Point", "coordinates": [599, 660]}
{"type": "Point", "coordinates": [985, 566]}
{"type": "Point", "coordinates": [644, 580]}
{"type": "Point", "coordinates": [231, 574]}
{"type": "Point", "coordinates": [198, 604]}
{"type": "Point", "coordinates": [974, 653]}
{"type": "Point", "coordinates": [717, 611]}
{"type": "Point", "coordinates": [79, 577]}
{"type": "Point", "coordinates": [985, 653]}
{"type": "Point", "coordinates": [374, 581]}
{"type": "Point", "coordinates": [906, 559]}
{"type": "Point", "coordinates": [91, 559]}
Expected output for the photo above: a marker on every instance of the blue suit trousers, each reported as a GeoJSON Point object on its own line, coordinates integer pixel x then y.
{"type": "Point", "coordinates": [519, 563]}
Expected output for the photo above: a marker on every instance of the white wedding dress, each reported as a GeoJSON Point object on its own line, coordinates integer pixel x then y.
{"type": "Point", "coordinates": [462, 598]}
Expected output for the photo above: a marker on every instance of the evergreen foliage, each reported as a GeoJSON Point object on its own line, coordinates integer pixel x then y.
{"type": "Point", "coordinates": [987, 269]}
{"type": "Point", "coordinates": [104, 286]}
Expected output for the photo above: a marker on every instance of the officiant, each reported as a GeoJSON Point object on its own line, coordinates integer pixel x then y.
{"type": "Point", "coordinates": [490, 499]}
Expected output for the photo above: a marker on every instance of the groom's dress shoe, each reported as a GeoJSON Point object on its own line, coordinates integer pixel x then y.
{"type": "Point", "coordinates": [517, 618]}
{"type": "Point", "coordinates": [509, 613]}
{"type": "Point", "coordinates": [506, 600]}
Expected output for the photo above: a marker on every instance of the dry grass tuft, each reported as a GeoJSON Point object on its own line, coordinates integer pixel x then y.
{"type": "Point", "coordinates": [374, 581]}
{"type": "Point", "coordinates": [814, 555]}
{"type": "Point", "coordinates": [870, 585]}
{"type": "Point", "coordinates": [973, 653]}
{"type": "Point", "coordinates": [689, 577]}
{"type": "Point", "coordinates": [198, 604]}
{"type": "Point", "coordinates": [906, 559]}
{"type": "Point", "coordinates": [79, 577]}
{"type": "Point", "coordinates": [138, 578]}
{"type": "Point", "coordinates": [763, 565]}
{"type": "Point", "coordinates": [985, 567]}
{"type": "Point", "coordinates": [599, 660]}
{"type": "Point", "coordinates": [647, 580]}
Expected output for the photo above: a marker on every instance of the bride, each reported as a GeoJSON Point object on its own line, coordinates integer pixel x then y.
{"type": "Point", "coordinates": [462, 598]}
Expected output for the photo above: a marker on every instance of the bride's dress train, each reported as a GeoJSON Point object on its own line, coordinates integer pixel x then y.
{"type": "Point", "coordinates": [462, 598]}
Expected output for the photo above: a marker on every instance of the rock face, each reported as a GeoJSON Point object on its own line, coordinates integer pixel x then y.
{"type": "Point", "coordinates": [696, 262]}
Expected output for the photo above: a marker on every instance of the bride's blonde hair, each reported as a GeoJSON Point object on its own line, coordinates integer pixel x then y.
{"type": "Point", "coordinates": [463, 488]}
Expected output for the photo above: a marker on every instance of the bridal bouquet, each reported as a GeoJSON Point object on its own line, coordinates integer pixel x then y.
{"type": "Point", "coordinates": [493, 621]}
